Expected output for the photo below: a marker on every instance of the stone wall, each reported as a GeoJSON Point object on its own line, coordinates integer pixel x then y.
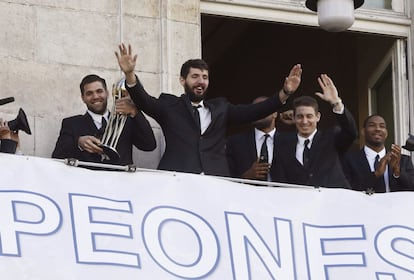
{"type": "Point", "coordinates": [48, 46]}
{"type": "Point", "coordinates": [411, 4]}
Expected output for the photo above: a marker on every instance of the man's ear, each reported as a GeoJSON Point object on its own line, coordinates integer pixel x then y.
{"type": "Point", "coordinates": [318, 116]}
{"type": "Point", "coordinates": [83, 99]}
{"type": "Point", "coordinates": [182, 81]}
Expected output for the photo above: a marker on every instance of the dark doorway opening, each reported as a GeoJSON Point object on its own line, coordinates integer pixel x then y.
{"type": "Point", "coordinates": [249, 58]}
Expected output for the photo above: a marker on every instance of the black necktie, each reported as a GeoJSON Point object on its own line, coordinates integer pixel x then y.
{"type": "Point", "coordinates": [101, 131]}
{"type": "Point", "coordinates": [197, 115]}
{"type": "Point", "coordinates": [306, 154]}
{"type": "Point", "coordinates": [264, 154]}
{"type": "Point", "coordinates": [376, 162]}
{"type": "Point", "coordinates": [380, 187]}
{"type": "Point", "coordinates": [103, 124]}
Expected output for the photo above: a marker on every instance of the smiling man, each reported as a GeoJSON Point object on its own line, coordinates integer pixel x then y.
{"type": "Point", "coordinates": [311, 156]}
{"type": "Point", "coordinates": [195, 128]}
{"type": "Point", "coordinates": [79, 136]}
{"type": "Point", "coordinates": [373, 168]}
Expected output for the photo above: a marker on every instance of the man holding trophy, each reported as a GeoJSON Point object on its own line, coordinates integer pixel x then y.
{"type": "Point", "coordinates": [102, 136]}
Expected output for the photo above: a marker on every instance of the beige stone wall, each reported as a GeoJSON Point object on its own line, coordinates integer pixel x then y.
{"type": "Point", "coordinates": [48, 46]}
{"type": "Point", "coordinates": [412, 61]}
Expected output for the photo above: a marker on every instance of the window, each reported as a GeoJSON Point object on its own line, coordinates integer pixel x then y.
{"type": "Point", "coordinates": [378, 4]}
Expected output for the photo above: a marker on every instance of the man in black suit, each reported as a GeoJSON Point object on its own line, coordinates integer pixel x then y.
{"type": "Point", "coordinates": [195, 128]}
{"type": "Point", "coordinates": [250, 154]}
{"type": "Point", "coordinates": [311, 156]}
{"type": "Point", "coordinates": [372, 168]}
{"type": "Point", "coordinates": [79, 135]}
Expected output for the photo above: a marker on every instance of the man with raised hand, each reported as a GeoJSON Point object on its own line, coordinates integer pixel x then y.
{"type": "Point", "coordinates": [194, 127]}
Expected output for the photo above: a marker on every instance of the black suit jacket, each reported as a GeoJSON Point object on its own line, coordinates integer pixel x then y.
{"type": "Point", "coordinates": [186, 150]}
{"type": "Point", "coordinates": [242, 152]}
{"type": "Point", "coordinates": [358, 172]}
{"type": "Point", "coordinates": [325, 165]}
{"type": "Point", "coordinates": [137, 131]}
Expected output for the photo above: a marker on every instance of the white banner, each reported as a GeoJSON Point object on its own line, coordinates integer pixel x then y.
{"type": "Point", "coordinates": [62, 222]}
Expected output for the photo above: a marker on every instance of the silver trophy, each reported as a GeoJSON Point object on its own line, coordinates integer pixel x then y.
{"type": "Point", "coordinates": [115, 125]}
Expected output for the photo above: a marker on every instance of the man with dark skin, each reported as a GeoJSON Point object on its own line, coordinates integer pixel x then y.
{"type": "Point", "coordinates": [373, 168]}
{"type": "Point", "coordinates": [244, 149]}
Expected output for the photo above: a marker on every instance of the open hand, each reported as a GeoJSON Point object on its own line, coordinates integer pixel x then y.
{"type": "Point", "coordinates": [395, 158]}
{"type": "Point", "coordinates": [330, 93]}
{"type": "Point", "coordinates": [382, 165]}
{"type": "Point", "coordinates": [292, 81]}
{"type": "Point", "coordinates": [127, 62]}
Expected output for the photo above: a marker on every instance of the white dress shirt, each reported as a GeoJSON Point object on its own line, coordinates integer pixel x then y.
{"type": "Point", "coordinates": [205, 116]}
{"type": "Point", "coordinates": [97, 119]}
{"type": "Point", "coordinates": [300, 146]}
{"type": "Point", "coordinates": [259, 137]}
{"type": "Point", "coordinates": [371, 155]}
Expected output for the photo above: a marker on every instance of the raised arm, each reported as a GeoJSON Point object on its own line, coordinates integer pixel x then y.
{"type": "Point", "coordinates": [127, 63]}
{"type": "Point", "coordinates": [291, 83]}
{"type": "Point", "coordinates": [347, 131]}
{"type": "Point", "coordinates": [330, 93]}
{"type": "Point", "coordinates": [139, 96]}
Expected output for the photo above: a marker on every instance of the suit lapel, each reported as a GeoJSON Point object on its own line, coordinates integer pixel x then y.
{"type": "Point", "coordinates": [274, 151]}
{"type": "Point", "coordinates": [251, 142]}
{"type": "Point", "coordinates": [90, 123]}
{"type": "Point", "coordinates": [213, 111]}
{"type": "Point", "coordinates": [363, 162]}
{"type": "Point", "coordinates": [291, 148]}
{"type": "Point", "coordinates": [315, 148]}
{"type": "Point", "coordinates": [189, 107]}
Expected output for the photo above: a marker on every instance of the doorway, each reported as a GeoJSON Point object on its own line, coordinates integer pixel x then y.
{"type": "Point", "coordinates": [249, 58]}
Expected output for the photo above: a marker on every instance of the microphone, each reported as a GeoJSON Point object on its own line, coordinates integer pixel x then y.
{"type": "Point", "coordinates": [6, 100]}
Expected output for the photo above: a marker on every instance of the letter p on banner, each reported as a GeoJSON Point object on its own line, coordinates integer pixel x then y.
{"type": "Point", "coordinates": [25, 213]}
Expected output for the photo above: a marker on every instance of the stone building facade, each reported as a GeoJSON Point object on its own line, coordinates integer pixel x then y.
{"type": "Point", "coordinates": [48, 46]}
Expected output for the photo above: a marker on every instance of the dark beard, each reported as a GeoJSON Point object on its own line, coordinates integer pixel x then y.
{"type": "Point", "coordinates": [374, 144]}
{"type": "Point", "coordinates": [262, 124]}
{"type": "Point", "coordinates": [99, 112]}
{"type": "Point", "coordinates": [192, 96]}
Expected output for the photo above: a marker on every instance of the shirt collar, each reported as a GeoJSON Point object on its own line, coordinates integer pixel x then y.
{"type": "Point", "coordinates": [302, 139]}
{"type": "Point", "coordinates": [260, 134]}
{"type": "Point", "coordinates": [201, 104]}
{"type": "Point", "coordinates": [372, 154]}
{"type": "Point", "coordinates": [97, 117]}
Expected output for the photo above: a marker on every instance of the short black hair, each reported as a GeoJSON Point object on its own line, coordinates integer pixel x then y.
{"type": "Point", "coordinates": [192, 63]}
{"type": "Point", "coordinates": [307, 101]}
{"type": "Point", "coordinates": [90, 79]}
{"type": "Point", "coordinates": [364, 125]}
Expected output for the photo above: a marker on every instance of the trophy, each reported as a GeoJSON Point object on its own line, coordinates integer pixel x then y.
{"type": "Point", "coordinates": [115, 125]}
